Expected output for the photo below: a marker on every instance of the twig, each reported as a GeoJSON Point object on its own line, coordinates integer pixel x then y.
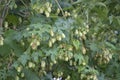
{"type": "Point", "coordinates": [0, 1]}
{"type": "Point", "coordinates": [5, 10]}
{"type": "Point", "coordinates": [23, 3]}
{"type": "Point", "coordinates": [71, 1]}
{"type": "Point", "coordinates": [1, 21]}
{"type": "Point", "coordinates": [59, 7]}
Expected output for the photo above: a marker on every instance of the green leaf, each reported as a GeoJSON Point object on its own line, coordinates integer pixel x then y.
{"type": "Point", "coordinates": [23, 59]}
{"type": "Point", "coordinates": [12, 19]}
{"type": "Point", "coordinates": [101, 4]}
{"type": "Point", "coordinates": [110, 45]}
{"type": "Point", "coordinates": [30, 75]}
{"type": "Point", "coordinates": [80, 68]}
{"type": "Point", "coordinates": [35, 56]}
{"type": "Point", "coordinates": [76, 44]}
{"type": "Point", "coordinates": [5, 50]}
{"type": "Point", "coordinates": [79, 58]}
{"type": "Point", "coordinates": [93, 47]}
{"type": "Point", "coordinates": [110, 19]}
{"type": "Point", "coordinates": [3, 75]}
{"type": "Point", "coordinates": [12, 43]}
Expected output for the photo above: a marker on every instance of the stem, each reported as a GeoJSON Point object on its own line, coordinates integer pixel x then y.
{"type": "Point", "coordinates": [23, 3]}
{"type": "Point", "coordinates": [0, 1]}
{"type": "Point", "coordinates": [71, 1]}
{"type": "Point", "coordinates": [59, 7]}
{"type": "Point", "coordinates": [5, 10]}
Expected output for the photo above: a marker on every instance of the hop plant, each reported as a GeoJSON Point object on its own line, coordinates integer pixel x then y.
{"type": "Point", "coordinates": [45, 8]}
{"type": "Point", "coordinates": [1, 40]}
{"type": "Point", "coordinates": [34, 44]}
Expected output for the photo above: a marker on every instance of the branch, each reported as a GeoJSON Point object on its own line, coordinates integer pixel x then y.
{"type": "Point", "coordinates": [1, 21]}
{"type": "Point", "coordinates": [5, 10]}
{"type": "Point", "coordinates": [71, 1]}
{"type": "Point", "coordinates": [0, 1]}
{"type": "Point", "coordinates": [59, 7]}
{"type": "Point", "coordinates": [24, 3]}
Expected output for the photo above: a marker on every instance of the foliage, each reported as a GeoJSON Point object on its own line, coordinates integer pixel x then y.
{"type": "Point", "coordinates": [68, 39]}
